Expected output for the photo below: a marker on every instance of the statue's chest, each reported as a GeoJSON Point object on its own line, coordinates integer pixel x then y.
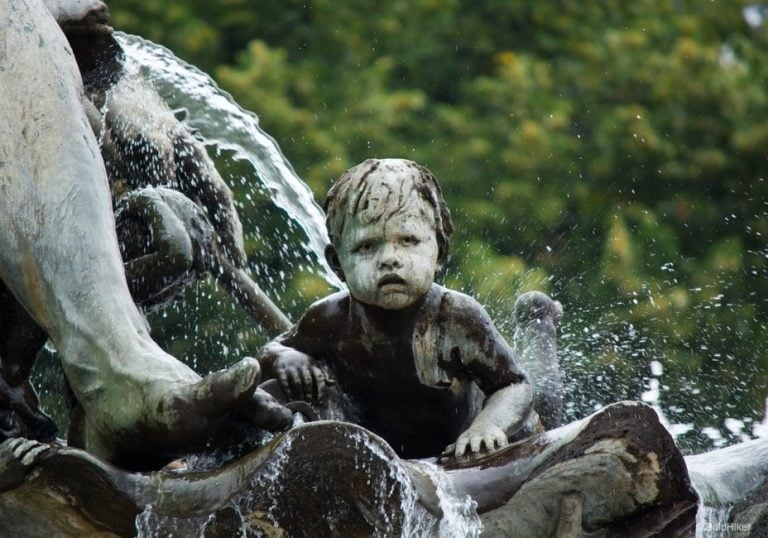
{"type": "Point", "coordinates": [378, 360]}
{"type": "Point", "coordinates": [436, 360]}
{"type": "Point", "coordinates": [374, 360]}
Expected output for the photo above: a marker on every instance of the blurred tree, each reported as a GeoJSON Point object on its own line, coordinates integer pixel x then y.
{"type": "Point", "coordinates": [611, 153]}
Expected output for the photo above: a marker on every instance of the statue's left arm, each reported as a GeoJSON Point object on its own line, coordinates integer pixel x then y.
{"type": "Point", "coordinates": [490, 362]}
{"type": "Point", "coordinates": [506, 410]}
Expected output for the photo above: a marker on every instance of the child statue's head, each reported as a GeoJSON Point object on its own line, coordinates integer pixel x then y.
{"type": "Point", "coordinates": [390, 230]}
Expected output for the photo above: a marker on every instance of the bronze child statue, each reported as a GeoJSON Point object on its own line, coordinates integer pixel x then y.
{"type": "Point", "coordinates": [418, 364]}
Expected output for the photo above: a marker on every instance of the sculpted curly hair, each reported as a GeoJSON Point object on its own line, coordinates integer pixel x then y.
{"type": "Point", "coordinates": [358, 193]}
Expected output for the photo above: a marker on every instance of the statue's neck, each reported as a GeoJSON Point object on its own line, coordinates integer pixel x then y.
{"type": "Point", "coordinates": [391, 321]}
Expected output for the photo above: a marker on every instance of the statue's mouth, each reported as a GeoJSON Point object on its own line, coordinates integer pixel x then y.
{"type": "Point", "coordinates": [391, 279]}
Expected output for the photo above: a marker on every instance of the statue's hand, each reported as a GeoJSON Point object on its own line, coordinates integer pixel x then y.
{"type": "Point", "coordinates": [17, 455]}
{"type": "Point", "coordinates": [299, 376]}
{"type": "Point", "coordinates": [482, 436]}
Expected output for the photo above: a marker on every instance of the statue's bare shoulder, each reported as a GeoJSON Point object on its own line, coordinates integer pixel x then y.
{"type": "Point", "coordinates": [464, 317]}
{"type": "Point", "coordinates": [320, 322]}
{"type": "Point", "coordinates": [326, 313]}
{"type": "Point", "coordinates": [464, 309]}
{"type": "Point", "coordinates": [472, 338]}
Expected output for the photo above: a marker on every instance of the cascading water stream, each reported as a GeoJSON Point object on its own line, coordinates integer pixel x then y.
{"type": "Point", "coordinates": [283, 225]}
{"type": "Point", "coordinates": [391, 503]}
{"type": "Point", "coordinates": [224, 126]}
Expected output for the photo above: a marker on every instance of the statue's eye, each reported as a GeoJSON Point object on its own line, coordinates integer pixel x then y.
{"type": "Point", "coordinates": [363, 248]}
{"type": "Point", "coordinates": [410, 240]}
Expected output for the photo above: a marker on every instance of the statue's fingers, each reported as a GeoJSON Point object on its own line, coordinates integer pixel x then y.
{"type": "Point", "coordinates": [294, 378]}
{"type": "Point", "coordinates": [21, 448]}
{"type": "Point", "coordinates": [308, 383]}
{"type": "Point", "coordinates": [12, 444]}
{"type": "Point", "coordinates": [264, 411]}
{"type": "Point", "coordinates": [282, 379]}
{"type": "Point", "coordinates": [475, 443]}
{"type": "Point", "coordinates": [31, 456]}
{"type": "Point", "coordinates": [223, 389]}
{"type": "Point", "coordinates": [461, 446]}
{"type": "Point", "coordinates": [490, 441]}
{"type": "Point", "coordinates": [319, 376]}
{"type": "Point", "coordinates": [26, 450]}
{"type": "Point", "coordinates": [448, 451]}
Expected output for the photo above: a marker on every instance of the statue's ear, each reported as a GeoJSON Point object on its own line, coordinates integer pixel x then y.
{"type": "Point", "coordinates": [332, 257]}
{"type": "Point", "coordinates": [442, 261]}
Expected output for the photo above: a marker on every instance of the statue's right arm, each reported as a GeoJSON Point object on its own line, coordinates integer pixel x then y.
{"type": "Point", "coordinates": [291, 358]}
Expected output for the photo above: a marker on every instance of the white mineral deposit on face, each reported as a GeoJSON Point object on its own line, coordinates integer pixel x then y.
{"type": "Point", "coordinates": [391, 261]}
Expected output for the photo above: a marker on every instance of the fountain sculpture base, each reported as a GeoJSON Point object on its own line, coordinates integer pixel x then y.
{"type": "Point", "coordinates": [616, 471]}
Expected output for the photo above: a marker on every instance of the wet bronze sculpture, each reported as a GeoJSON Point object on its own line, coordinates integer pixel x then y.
{"type": "Point", "coordinates": [60, 261]}
{"type": "Point", "coordinates": [457, 380]}
{"type": "Point", "coordinates": [141, 405]}
{"type": "Point", "coordinates": [328, 478]}
{"type": "Point", "coordinates": [175, 215]}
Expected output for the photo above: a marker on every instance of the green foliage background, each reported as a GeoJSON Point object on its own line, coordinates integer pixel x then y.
{"type": "Point", "coordinates": [613, 154]}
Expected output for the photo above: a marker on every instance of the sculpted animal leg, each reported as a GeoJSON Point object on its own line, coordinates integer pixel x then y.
{"type": "Point", "coordinates": [59, 256]}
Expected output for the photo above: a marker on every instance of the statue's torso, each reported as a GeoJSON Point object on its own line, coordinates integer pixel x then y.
{"type": "Point", "coordinates": [400, 380]}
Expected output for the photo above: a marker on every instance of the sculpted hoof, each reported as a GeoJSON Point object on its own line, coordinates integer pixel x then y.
{"type": "Point", "coordinates": [91, 15]}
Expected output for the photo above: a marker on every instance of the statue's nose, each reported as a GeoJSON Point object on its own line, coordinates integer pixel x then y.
{"type": "Point", "coordinates": [389, 258]}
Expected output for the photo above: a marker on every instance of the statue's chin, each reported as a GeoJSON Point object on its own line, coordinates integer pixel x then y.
{"type": "Point", "coordinates": [395, 300]}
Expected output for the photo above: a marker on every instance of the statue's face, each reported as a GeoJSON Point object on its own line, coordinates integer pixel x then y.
{"type": "Point", "coordinates": [390, 263]}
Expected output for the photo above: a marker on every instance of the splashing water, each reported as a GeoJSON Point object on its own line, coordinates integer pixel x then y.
{"type": "Point", "coordinates": [150, 524]}
{"type": "Point", "coordinates": [459, 516]}
{"type": "Point", "coordinates": [258, 509]}
{"type": "Point", "coordinates": [212, 114]}
{"type": "Point", "coordinates": [712, 522]}
{"type": "Point", "coordinates": [605, 358]}
{"type": "Point", "coordinates": [242, 509]}
{"type": "Point", "coordinates": [283, 225]}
